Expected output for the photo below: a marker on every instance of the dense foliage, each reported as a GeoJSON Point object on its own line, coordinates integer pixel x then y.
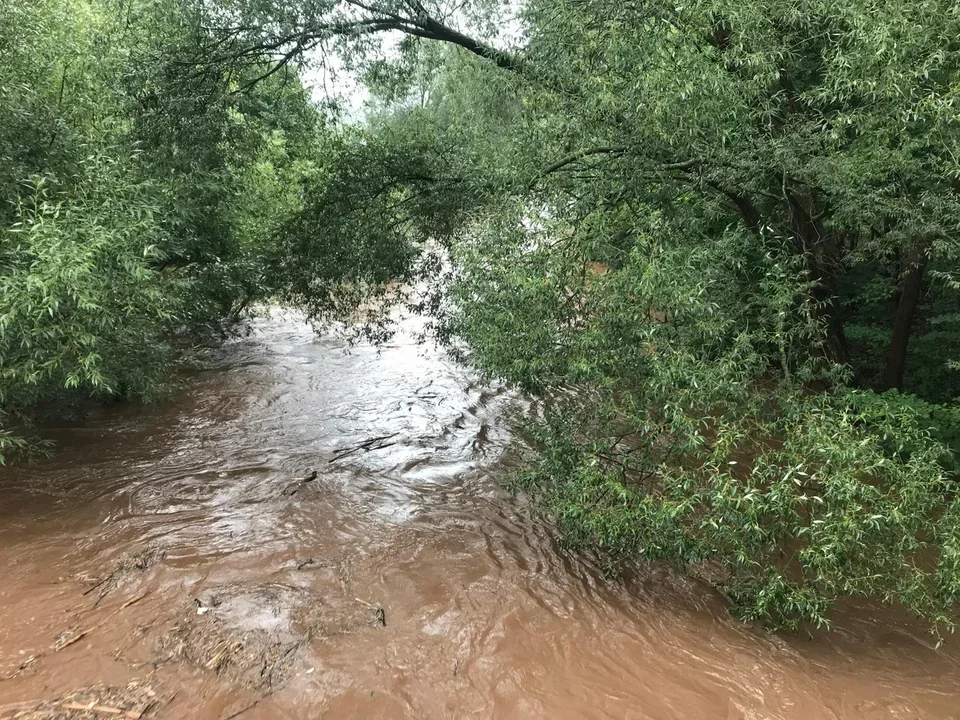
{"type": "Point", "coordinates": [720, 238]}
{"type": "Point", "coordinates": [135, 205]}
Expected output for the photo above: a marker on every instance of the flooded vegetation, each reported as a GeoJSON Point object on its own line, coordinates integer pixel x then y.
{"type": "Point", "coordinates": [160, 566]}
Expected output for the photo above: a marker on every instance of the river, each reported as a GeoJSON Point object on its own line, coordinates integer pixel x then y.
{"type": "Point", "coordinates": [174, 562]}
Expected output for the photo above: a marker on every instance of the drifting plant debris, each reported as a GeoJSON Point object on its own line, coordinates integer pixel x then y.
{"type": "Point", "coordinates": [128, 565]}
{"type": "Point", "coordinates": [252, 637]}
{"type": "Point", "coordinates": [375, 443]}
{"type": "Point", "coordinates": [132, 701]}
{"type": "Point", "coordinates": [68, 638]}
{"type": "Point", "coordinates": [295, 487]}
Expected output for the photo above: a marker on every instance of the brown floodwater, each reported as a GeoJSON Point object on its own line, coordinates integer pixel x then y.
{"type": "Point", "coordinates": [178, 547]}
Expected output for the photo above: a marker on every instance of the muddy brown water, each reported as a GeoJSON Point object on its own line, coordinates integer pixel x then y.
{"type": "Point", "coordinates": [176, 548]}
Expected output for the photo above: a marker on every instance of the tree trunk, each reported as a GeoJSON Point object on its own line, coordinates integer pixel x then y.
{"type": "Point", "coordinates": [822, 255]}
{"type": "Point", "coordinates": [821, 250]}
{"type": "Point", "coordinates": [748, 211]}
{"type": "Point", "coordinates": [911, 290]}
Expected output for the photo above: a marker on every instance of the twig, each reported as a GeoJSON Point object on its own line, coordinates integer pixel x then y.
{"type": "Point", "coordinates": [133, 714]}
{"type": "Point", "coordinates": [79, 636]}
{"type": "Point", "coordinates": [106, 579]}
{"type": "Point", "coordinates": [251, 706]}
{"type": "Point", "coordinates": [84, 633]}
{"type": "Point", "coordinates": [128, 603]}
{"type": "Point", "coordinates": [21, 667]}
{"type": "Point", "coordinates": [365, 445]}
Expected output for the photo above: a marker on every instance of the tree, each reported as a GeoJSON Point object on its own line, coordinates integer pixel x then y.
{"type": "Point", "coordinates": [699, 218]}
{"type": "Point", "coordinates": [123, 239]}
{"type": "Point", "coordinates": [792, 119]}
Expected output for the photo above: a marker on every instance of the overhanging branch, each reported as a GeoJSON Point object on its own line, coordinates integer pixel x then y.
{"type": "Point", "coordinates": [608, 150]}
{"type": "Point", "coordinates": [239, 44]}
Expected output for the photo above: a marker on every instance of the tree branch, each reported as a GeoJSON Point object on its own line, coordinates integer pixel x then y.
{"type": "Point", "coordinates": [284, 61]}
{"type": "Point", "coordinates": [607, 150]}
{"type": "Point", "coordinates": [748, 211]}
{"type": "Point", "coordinates": [229, 45]}
{"type": "Point", "coordinates": [435, 30]}
{"type": "Point", "coordinates": [578, 156]}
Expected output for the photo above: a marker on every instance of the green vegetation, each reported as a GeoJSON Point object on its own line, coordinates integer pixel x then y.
{"type": "Point", "coordinates": [721, 238]}
{"type": "Point", "coordinates": [136, 200]}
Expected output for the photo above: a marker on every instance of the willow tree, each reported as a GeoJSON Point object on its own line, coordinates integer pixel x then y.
{"type": "Point", "coordinates": [132, 206]}
{"type": "Point", "coordinates": [828, 126]}
{"type": "Point", "coordinates": [706, 219]}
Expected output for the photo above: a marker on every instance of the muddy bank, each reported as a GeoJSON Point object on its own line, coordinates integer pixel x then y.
{"type": "Point", "coordinates": [173, 563]}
